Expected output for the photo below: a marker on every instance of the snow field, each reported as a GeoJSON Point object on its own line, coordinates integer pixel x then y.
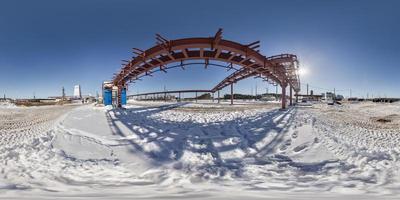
{"type": "Point", "coordinates": [187, 149]}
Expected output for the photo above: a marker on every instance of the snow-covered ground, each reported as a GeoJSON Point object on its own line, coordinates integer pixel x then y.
{"type": "Point", "coordinates": [5, 104]}
{"type": "Point", "coordinates": [201, 150]}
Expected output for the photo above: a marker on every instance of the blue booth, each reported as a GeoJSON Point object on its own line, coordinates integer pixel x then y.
{"type": "Point", "coordinates": [107, 97]}
{"type": "Point", "coordinates": [123, 96]}
{"type": "Point", "coordinates": [110, 94]}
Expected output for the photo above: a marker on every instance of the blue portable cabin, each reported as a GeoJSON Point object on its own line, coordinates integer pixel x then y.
{"type": "Point", "coordinates": [110, 94]}
{"type": "Point", "coordinates": [107, 93]}
{"type": "Point", "coordinates": [123, 96]}
{"type": "Point", "coordinates": [107, 97]}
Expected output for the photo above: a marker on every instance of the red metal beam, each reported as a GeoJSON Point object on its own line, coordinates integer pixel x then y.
{"type": "Point", "coordinates": [282, 69]}
{"type": "Point", "coordinates": [172, 91]}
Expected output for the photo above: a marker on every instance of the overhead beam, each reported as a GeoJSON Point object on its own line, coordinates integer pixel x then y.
{"type": "Point", "coordinates": [281, 68]}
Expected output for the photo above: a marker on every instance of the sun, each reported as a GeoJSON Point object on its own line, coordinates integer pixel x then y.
{"type": "Point", "coordinates": [302, 71]}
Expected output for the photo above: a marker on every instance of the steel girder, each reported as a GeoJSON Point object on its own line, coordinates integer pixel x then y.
{"type": "Point", "coordinates": [287, 61]}
{"type": "Point", "coordinates": [281, 69]}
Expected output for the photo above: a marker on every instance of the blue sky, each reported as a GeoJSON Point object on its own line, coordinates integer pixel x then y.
{"type": "Point", "coordinates": [47, 44]}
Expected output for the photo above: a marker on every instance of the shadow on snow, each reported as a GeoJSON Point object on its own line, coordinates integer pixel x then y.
{"type": "Point", "coordinates": [170, 140]}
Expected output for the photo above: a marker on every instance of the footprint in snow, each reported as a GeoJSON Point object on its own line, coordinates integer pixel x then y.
{"type": "Point", "coordinates": [285, 145]}
{"type": "Point", "coordinates": [295, 134]}
{"type": "Point", "coordinates": [300, 148]}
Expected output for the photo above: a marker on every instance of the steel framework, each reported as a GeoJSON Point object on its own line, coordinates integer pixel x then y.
{"type": "Point", "coordinates": [281, 69]}
{"type": "Point", "coordinates": [171, 92]}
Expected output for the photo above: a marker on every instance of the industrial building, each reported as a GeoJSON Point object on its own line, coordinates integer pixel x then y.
{"type": "Point", "coordinates": [77, 92]}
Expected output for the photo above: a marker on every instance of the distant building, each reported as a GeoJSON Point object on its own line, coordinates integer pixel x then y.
{"type": "Point", "coordinates": [339, 97]}
{"type": "Point", "coordinates": [77, 91]}
{"type": "Point", "coordinates": [329, 96]}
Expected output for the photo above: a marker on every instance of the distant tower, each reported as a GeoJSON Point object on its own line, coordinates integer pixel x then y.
{"type": "Point", "coordinates": [77, 91]}
{"type": "Point", "coordinates": [63, 93]}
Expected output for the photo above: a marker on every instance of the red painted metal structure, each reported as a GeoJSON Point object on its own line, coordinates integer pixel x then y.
{"type": "Point", "coordinates": [281, 69]}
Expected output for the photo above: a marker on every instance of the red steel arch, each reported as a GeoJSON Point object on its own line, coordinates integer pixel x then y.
{"type": "Point", "coordinates": [287, 61]}
{"type": "Point", "coordinates": [281, 69]}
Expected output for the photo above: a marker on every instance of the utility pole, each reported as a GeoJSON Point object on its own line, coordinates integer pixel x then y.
{"type": "Point", "coordinates": [334, 94]}
{"type": "Point", "coordinates": [350, 94]}
{"type": "Point", "coordinates": [307, 89]}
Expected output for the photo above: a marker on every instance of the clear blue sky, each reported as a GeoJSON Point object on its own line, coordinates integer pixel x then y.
{"type": "Point", "coordinates": [47, 44]}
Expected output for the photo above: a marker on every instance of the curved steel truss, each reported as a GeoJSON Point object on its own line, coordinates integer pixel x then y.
{"type": "Point", "coordinates": [281, 69]}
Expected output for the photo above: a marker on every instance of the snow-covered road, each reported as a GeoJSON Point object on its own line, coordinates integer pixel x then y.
{"type": "Point", "coordinates": [201, 150]}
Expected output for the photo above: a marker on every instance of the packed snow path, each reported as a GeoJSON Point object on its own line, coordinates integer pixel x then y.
{"type": "Point", "coordinates": [154, 150]}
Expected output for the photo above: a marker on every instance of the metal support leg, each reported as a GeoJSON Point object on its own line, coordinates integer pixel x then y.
{"type": "Point", "coordinates": [218, 97]}
{"type": "Point", "coordinates": [231, 93]}
{"type": "Point", "coordinates": [119, 104]}
{"type": "Point", "coordinates": [291, 96]}
{"type": "Point", "coordinates": [283, 96]}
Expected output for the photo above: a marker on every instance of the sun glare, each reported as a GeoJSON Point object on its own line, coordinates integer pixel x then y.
{"type": "Point", "coordinates": [303, 71]}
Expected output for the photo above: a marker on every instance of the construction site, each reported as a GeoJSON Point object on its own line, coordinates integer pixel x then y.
{"type": "Point", "coordinates": [246, 112]}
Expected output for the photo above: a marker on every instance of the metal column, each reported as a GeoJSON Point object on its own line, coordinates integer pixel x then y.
{"type": "Point", "coordinates": [231, 93]}
{"type": "Point", "coordinates": [119, 91]}
{"type": "Point", "coordinates": [283, 96]}
{"type": "Point", "coordinates": [291, 96]}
